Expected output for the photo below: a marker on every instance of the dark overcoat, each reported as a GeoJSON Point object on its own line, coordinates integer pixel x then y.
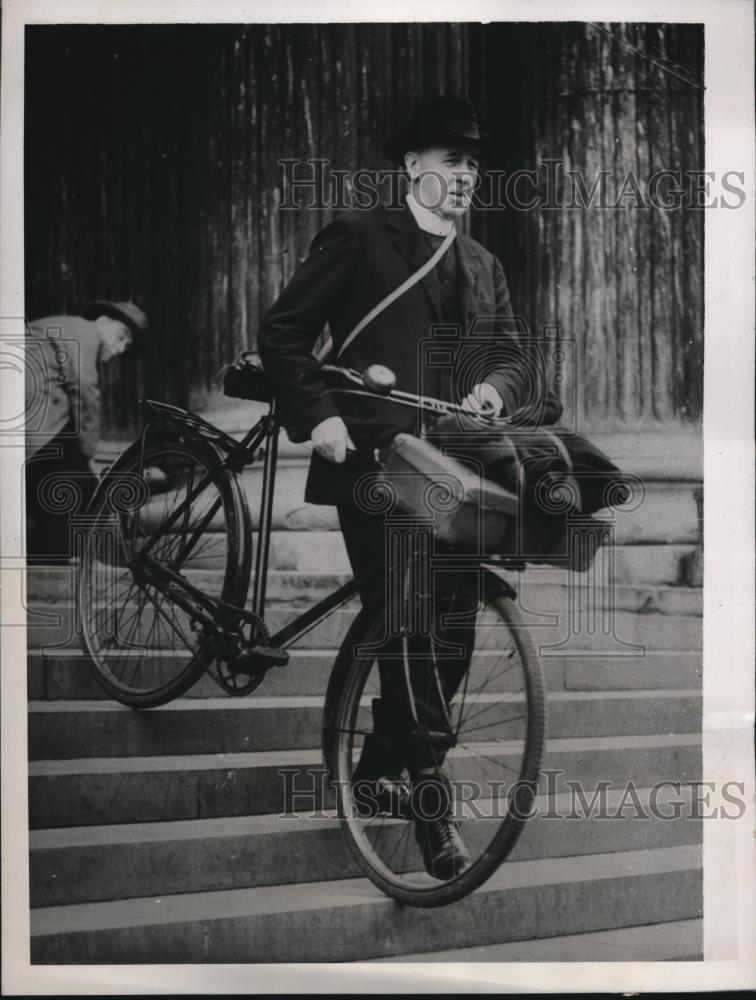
{"type": "Point", "coordinates": [352, 265]}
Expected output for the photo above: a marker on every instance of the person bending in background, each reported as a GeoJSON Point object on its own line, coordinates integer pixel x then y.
{"type": "Point", "coordinates": [63, 358]}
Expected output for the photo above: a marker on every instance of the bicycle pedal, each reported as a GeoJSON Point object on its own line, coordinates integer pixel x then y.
{"type": "Point", "coordinates": [260, 658]}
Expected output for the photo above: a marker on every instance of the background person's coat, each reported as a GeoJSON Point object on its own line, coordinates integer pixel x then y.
{"type": "Point", "coordinates": [62, 391]}
{"type": "Point", "coordinates": [353, 264]}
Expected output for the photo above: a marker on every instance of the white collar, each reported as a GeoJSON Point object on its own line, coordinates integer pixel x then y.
{"type": "Point", "coordinates": [427, 220]}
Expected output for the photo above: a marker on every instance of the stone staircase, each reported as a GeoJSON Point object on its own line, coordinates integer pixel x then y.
{"type": "Point", "coordinates": [179, 835]}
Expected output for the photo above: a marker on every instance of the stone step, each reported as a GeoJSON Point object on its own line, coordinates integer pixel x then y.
{"type": "Point", "coordinates": [73, 729]}
{"type": "Point", "coordinates": [350, 920]}
{"type": "Point", "coordinates": [541, 595]}
{"type": "Point", "coordinates": [99, 790]}
{"type": "Point", "coordinates": [539, 590]}
{"type": "Point", "coordinates": [64, 675]}
{"type": "Point", "coordinates": [84, 864]}
{"type": "Point", "coordinates": [667, 513]}
{"type": "Point", "coordinates": [674, 941]}
{"type": "Point", "coordinates": [664, 455]}
{"type": "Point", "coordinates": [318, 552]}
{"type": "Point", "coordinates": [670, 469]}
{"type": "Point", "coordinates": [593, 630]}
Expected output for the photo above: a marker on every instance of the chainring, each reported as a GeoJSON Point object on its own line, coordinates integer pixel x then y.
{"type": "Point", "coordinates": [232, 679]}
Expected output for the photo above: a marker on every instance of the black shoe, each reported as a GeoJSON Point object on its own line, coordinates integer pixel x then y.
{"type": "Point", "coordinates": [444, 853]}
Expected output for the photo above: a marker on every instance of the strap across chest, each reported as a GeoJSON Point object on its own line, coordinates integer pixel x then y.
{"type": "Point", "coordinates": [419, 274]}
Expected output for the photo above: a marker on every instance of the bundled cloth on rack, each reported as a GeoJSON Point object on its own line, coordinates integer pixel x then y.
{"type": "Point", "coordinates": [545, 465]}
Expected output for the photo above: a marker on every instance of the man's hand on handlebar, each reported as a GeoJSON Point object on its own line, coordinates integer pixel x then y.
{"type": "Point", "coordinates": [483, 399]}
{"type": "Point", "coordinates": [330, 438]}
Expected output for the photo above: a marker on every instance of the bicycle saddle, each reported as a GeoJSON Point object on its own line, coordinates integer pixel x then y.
{"type": "Point", "coordinates": [245, 379]}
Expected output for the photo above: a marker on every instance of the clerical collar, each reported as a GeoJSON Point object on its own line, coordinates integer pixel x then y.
{"type": "Point", "coordinates": [426, 220]}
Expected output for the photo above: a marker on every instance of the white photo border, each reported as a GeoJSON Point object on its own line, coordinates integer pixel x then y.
{"type": "Point", "coordinates": [729, 853]}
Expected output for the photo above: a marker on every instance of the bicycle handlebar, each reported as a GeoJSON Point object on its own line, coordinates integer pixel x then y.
{"type": "Point", "coordinates": [379, 381]}
{"type": "Point", "coordinates": [376, 382]}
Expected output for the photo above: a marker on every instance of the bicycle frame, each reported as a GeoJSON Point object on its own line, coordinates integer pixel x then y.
{"type": "Point", "coordinates": [236, 455]}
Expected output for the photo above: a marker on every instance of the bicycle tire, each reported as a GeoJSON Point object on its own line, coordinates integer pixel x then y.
{"type": "Point", "coordinates": [398, 873]}
{"type": "Point", "coordinates": [143, 649]}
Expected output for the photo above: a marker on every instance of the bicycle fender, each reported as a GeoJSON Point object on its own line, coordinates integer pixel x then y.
{"type": "Point", "coordinates": [124, 488]}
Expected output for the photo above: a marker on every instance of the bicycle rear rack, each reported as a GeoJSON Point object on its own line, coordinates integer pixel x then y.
{"type": "Point", "coordinates": [185, 419]}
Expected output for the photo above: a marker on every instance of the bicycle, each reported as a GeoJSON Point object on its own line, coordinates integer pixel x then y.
{"type": "Point", "coordinates": [163, 585]}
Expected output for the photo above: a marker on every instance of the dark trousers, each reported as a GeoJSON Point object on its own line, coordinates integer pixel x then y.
{"type": "Point", "coordinates": [375, 568]}
{"type": "Point", "coordinates": [59, 485]}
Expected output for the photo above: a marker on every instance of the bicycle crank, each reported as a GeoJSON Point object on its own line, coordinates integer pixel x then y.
{"type": "Point", "coordinates": [248, 657]}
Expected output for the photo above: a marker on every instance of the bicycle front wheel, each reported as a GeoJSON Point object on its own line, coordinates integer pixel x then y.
{"type": "Point", "coordinates": [144, 647]}
{"type": "Point", "coordinates": [496, 722]}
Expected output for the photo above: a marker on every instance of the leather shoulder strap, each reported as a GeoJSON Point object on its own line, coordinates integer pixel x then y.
{"type": "Point", "coordinates": [426, 268]}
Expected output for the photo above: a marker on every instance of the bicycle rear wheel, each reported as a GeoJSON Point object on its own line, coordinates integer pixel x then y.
{"type": "Point", "coordinates": [145, 648]}
{"type": "Point", "coordinates": [497, 720]}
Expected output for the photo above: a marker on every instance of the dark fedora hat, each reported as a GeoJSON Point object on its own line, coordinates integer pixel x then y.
{"type": "Point", "coordinates": [437, 121]}
{"type": "Point", "coordinates": [128, 313]}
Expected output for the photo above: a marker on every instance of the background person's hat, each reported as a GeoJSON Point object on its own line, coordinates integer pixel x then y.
{"type": "Point", "coordinates": [437, 120]}
{"type": "Point", "coordinates": [128, 313]}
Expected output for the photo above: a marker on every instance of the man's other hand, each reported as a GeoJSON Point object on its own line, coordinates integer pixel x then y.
{"type": "Point", "coordinates": [331, 439]}
{"type": "Point", "coordinates": [483, 399]}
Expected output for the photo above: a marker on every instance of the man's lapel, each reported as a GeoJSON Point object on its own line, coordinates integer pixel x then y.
{"type": "Point", "coordinates": [411, 244]}
{"type": "Point", "coordinates": [469, 263]}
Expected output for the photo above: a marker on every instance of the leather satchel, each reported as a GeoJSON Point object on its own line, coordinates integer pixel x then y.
{"type": "Point", "coordinates": [468, 513]}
